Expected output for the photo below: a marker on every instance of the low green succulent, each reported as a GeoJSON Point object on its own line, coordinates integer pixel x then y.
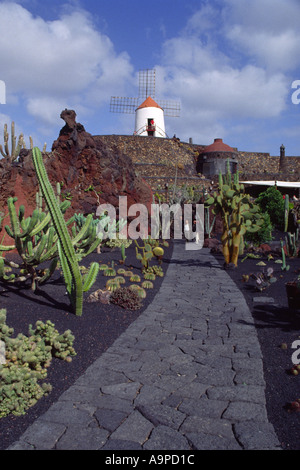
{"type": "Point", "coordinates": [147, 285]}
{"type": "Point", "coordinates": [27, 361]}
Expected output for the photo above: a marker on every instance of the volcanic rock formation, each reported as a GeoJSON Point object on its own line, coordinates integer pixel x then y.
{"type": "Point", "coordinates": [89, 172]}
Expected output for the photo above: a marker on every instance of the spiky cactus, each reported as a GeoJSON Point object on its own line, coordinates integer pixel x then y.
{"type": "Point", "coordinates": [146, 253]}
{"type": "Point", "coordinates": [16, 147]}
{"type": "Point", "coordinates": [286, 212]}
{"type": "Point", "coordinates": [27, 359]}
{"type": "Point", "coordinates": [66, 249]}
{"type": "Point", "coordinates": [239, 215]}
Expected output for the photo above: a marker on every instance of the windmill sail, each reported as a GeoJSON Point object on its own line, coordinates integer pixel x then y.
{"type": "Point", "coordinates": [146, 88]}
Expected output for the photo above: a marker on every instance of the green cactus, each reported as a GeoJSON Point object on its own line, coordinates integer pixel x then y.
{"type": "Point", "coordinates": [120, 279]}
{"type": "Point", "coordinates": [149, 276]}
{"type": "Point", "coordinates": [284, 267]}
{"type": "Point", "coordinates": [110, 270]}
{"type": "Point", "coordinates": [66, 250]}
{"type": "Point", "coordinates": [135, 278]}
{"type": "Point", "coordinates": [12, 154]}
{"type": "Point", "coordinates": [147, 284]}
{"type": "Point", "coordinates": [291, 243]}
{"type": "Point", "coordinates": [36, 241]}
{"type": "Point", "coordinates": [112, 284]}
{"type": "Point", "coordinates": [27, 360]}
{"type": "Point", "coordinates": [121, 271]}
{"type": "Point", "coordinates": [123, 252]}
{"type": "Point", "coordinates": [239, 215]}
{"type": "Point", "coordinates": [91, 276]}
{"type": "Point", "coordinates": [146, 255]}
{"type": "Point", "coordinates": [127, 273]}
{"type": "Point", "coordinates": [103, 267]}
{"type": "Point", "coordinates": [141, 292]}
{"type": "Point", "coordinates": [286, 212]}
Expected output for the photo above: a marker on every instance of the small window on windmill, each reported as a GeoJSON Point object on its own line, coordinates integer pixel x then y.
{"type": "Point", "coordinates": [151, 126]}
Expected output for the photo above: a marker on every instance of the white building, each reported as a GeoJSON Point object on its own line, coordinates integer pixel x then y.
{"type": "Point", "coordinates": [149, 119]}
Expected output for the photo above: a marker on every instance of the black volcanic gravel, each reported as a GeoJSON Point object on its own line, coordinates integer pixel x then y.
{"type": "Point", "coordinates": [95, 331]}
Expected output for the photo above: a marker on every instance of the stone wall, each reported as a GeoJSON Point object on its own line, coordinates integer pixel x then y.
{"type": "Point", "coordinates": [156, 159]}
{"type": "Point", "coordinates": [263, 166]}
{"type": "Point", "coordinates": [159, 161]}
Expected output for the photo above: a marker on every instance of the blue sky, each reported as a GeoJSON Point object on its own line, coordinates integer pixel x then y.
{"type": "Point", "coordinates": [230, 63]}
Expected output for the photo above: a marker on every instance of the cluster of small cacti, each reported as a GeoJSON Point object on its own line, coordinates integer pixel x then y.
{"type": "Point", "coordinates": [118, 243]}
{"type": "Point", "coordinates": [36, 241]}
{"type": "Point", "coordinates": [12, 154]}
{"type": "Point", "coordinates": [16, 147]}
{"type": "Point", "coordinates": [153, 270]}
{"type": "Point", "coordinates": [149, 276]}
{"type": "Point", "coordinates": [239, 215]}
{"type": "Point", "coordinates": [27, 360]}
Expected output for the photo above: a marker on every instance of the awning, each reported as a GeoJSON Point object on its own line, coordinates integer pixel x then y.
{"type": "Point", "coordinates": [283, 184]}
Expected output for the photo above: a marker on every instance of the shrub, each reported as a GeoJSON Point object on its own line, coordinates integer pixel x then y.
{"type": "Point", "coordinates": [272, 202]}
{"type": "Point", "coordinates": [263, 235]}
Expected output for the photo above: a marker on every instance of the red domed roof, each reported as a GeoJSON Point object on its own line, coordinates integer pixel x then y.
{"type": "Point", "coordinates": [218, 146]}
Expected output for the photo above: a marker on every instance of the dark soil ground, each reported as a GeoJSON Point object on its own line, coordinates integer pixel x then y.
{"type": "Point", "coordinates": [95, 331]}
{"type": "Point", "coordinates": [276, 324]}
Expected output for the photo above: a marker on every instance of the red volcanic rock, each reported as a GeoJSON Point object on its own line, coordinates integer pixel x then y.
{"type": "Point", "coordinates": [265, 248]}
{"type": "Point", "coordinates": [89, 171]}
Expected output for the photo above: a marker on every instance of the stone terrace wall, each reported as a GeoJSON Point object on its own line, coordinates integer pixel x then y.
{"type": "Point", "coordinates": [156, 159]}
{"type": "Point", "coordinates": [263, 166]}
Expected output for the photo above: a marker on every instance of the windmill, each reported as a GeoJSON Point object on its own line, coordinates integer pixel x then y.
{"type": "Point", "coordinates": [149, 113]}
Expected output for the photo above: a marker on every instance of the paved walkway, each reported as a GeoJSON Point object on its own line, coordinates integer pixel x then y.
{"type": "Point", "coordinates": [186, 375]}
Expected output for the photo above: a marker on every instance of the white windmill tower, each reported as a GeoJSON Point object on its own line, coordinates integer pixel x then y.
{"type": "Point", "coordinates": [149, 114]}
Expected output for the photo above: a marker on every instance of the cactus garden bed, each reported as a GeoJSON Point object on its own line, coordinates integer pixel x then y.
{"type": "Point", "coordinates": [94, 331]}
{"type": "Point", "coordinates": [278, 327]}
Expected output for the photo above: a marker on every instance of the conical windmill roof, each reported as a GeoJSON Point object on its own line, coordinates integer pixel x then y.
{"type": "Point", "coordinates": [149, 103]}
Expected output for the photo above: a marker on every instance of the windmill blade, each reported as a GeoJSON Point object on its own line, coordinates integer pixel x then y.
{"type": "Point", "coordinates": [171, 108]}
{"type": "Point", "coordinates": [123, 105]}
{"type": "Point", "coordinates": [146, 83]}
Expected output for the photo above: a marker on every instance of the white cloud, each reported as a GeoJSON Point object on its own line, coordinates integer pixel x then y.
{"type": "Point", "coordinates": [53, 62]}
{"type": "Point", "coordinates": [208, 65]}
{"type": "Point", "coordinates": [267, 31]}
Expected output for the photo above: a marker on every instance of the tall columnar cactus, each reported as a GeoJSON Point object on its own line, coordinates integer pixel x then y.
{"type": "Point", "coordinates": [238, 213]}
{"type": "Point", "coordinates": [67, 253]}
{"type": "Point", "coordinates": [15, 146]}
{"type": "Point", "coordinates": [286, 212]}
